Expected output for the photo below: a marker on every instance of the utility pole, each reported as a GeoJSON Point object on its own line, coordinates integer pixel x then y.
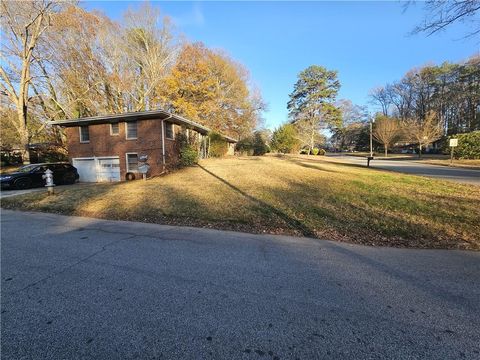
{"type": "Point", "coordinates": [371, 142]}
{"type": "Point", "coordinates": [371, 137]}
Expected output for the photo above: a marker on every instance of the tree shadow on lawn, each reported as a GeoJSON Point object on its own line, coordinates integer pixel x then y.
{"type": "Point", "coordinates": [299, 160]}
{"type": "Point", "coordinates": [180, 208]}
{"type": "Point", "coordinates": [344, 220]}
{"type": "Point", "coordinates": [305, 164]}
{"type": "Point", "coordinates": [294, 223]}
{"type": "Point", "coordinates": [335, 214]}
{"type": "Point", "coordinates": [340, 215]}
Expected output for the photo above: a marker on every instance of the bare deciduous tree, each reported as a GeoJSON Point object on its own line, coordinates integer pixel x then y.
{"type": "Point", "coordinates": [440, 14]}
{"type": "Point", "coordinates": [351, 115]}
{"type": "Point", "coordinates": [423, 131]}
{"type": "Point", "coordinates": [150, 50]}
{"type": "Point", "coordinates": [308, 132]}
{"type": "Point", "coordinates": [23, 23]}
{"type": "Point", "coordinates": [380, 97]}
{"type": "Point", "coordinates": [451, 90]}
{"type": "Point", "coordinates": [386, 131]}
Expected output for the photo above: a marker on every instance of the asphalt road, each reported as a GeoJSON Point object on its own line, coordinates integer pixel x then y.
{"type": "Point", "coordinates": [85, 288]}
{"type": "Point", "coordinates": [460, 175]}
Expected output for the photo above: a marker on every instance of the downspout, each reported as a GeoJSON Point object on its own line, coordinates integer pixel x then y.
{"type": "Point", "coordinates": [163, 141]}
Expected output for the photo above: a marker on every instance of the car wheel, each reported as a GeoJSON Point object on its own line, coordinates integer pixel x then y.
{"type": "Point", "coordinates": [69, 179]}
{"type": "Point", "coordinates": [23, 183]}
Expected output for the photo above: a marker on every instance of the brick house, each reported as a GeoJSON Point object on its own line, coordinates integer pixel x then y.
{"type": "Point", "coordinates": [111, 147]}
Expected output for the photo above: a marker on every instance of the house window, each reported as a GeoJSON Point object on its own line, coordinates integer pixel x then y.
{"type": "Point", "coordinates": [114, 129]}
{"type": "Point", "coordinates": [84, 134]}
{"type": "Point", "coordinates": [131, 130]}
{"type": "Point", "coordinates": [132, 162]}
{"type": "Point", "coordinates": [169, 134]}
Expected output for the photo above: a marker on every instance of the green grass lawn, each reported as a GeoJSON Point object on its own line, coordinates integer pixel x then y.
{"type": "Point", "coordinates": [306, 196]}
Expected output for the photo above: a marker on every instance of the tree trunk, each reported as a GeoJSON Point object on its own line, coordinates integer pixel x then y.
{"type": "Point", "coordinates": [386, 151]}
{"type": "Point", "coordinates": [420, 151]}
{"type": "Point", "coordinates": [312, 141]}
{"type": "Point", "coordinates": [24, 138]}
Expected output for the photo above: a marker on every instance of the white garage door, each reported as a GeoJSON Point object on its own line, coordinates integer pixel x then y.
{"type": "Point", "coordinates": [108, 169]}
{"type": "Point", "coordinates": [86, 169]}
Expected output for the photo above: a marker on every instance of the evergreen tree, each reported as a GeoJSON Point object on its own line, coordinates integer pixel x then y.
{"type": "Point", "coordinates": [312, 103]}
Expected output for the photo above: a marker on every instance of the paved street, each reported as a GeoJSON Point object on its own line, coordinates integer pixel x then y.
{"type": "Point", "coordinates": [85, 288]}
{"type": "Point", "coordinates": [454, 174]}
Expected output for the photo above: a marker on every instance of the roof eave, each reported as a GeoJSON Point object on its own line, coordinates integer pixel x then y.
{"type": "Point", "coordinates": [134, 116]}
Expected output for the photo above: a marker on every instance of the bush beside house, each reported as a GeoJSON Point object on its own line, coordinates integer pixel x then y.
{"type": "Point", "coordinates": [255, 144]}
{"type": "Point", "coordinates": [187, 149]}
{"type": "Point", "coordinates": [218, 146]}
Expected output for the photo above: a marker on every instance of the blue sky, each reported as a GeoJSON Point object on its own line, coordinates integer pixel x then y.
{"type": "Point", "coordinates": [367, 42]}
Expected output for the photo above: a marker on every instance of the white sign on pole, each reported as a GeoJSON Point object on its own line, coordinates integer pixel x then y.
{"type": "Point", "coordinates": [453, 142]}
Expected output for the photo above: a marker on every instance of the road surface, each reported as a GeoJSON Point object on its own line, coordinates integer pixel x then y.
{"type": "Point", "coordinates": [460, 175]}
{"type": "Point", "coordinates": [91, 289]}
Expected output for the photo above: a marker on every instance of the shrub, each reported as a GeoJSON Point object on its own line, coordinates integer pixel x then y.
{"type": "Point", "coordinates": [304, 151]}
{"type": "Point", "coordinates": [245, 146]}
{"type": "Point", "coordinates": [187, 147]}
{"type": "Point", "coordinates": [253, 145]}
{"type": "Point", "coordinates": [321, 152]}
{"type": "Point", "coordinates": [284, 139]}
{"type": "Point", "coordinates": [259, 145]}
{"type": "Point", "coordinates": [218, 145]}
{"type": "Point", "coordinates": [468, 145]}
{"type": "Point", "coordinates": [188, 156]}
{"type": "Point", "coordinates": [315, 151]}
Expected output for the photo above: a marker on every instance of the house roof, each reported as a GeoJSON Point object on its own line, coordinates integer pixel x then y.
{"type": "Point", "coordinates": [138, 115]}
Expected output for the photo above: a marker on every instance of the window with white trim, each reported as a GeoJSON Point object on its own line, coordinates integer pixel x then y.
{"type": "Point", "coordinates": [131, 130]}
{"type": "Point", "coordinates": [84, 134]}
{"type": "Point", "coordinates": [169, 133]}
{"type": "Point", "coordinates": [132, 162]}
{"type": "Point", "coordinates": [114, 129]}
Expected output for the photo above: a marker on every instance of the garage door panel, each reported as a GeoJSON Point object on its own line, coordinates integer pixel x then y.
{"type": "Point", "coordinates": [108, 169]}
{"type": "Point", "coordinates": [98, 169]}
{"type": "Point", "coordinates": [86, 169]}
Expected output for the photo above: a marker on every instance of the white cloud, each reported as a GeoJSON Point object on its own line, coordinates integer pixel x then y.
{"type": "Point", "coordinates": [194, 17]}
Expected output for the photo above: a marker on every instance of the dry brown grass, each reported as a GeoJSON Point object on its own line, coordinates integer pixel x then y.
{"type": "Point", "coordinates": [287, 195]}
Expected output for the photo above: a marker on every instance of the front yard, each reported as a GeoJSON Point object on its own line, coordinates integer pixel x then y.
{"type": "Point", "coordinates": [305, 196]}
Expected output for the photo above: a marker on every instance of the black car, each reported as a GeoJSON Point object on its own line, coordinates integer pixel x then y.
{"type": "Point", "coordinates": [31, 176]}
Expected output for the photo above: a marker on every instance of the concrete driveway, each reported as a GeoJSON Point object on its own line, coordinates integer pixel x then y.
{"type": "Point", "coordinates": [465, 176]}
{"type": "Point", "coordinates": [12, 192]}
{"type": "Point", "coordinates": [91, 289]}
{"type": "Point", "coordinates": [9, 192]}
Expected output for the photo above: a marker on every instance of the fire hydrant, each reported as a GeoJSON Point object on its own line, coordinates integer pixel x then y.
{"type": "Point", "coordinates": [49, 181]}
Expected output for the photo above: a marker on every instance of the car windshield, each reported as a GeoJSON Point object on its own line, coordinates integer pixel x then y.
{"type": "Point", "coordinates": [27, 168]}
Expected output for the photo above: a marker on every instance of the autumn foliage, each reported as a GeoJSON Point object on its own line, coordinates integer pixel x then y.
{"type": "Point", "coordinates": [81, 63]}
{"type": "Point", "coordinates": [209, 87]}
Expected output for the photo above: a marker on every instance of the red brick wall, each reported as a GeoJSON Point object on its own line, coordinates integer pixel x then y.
{"type": "Point", "coordinates": [149, 142]}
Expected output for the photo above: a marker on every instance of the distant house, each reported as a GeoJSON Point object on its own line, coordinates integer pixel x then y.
{"type": "Point", "coordinates": [111, 147]}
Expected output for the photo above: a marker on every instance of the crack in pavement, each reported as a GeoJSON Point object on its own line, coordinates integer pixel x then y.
{"type": "Point", "coordinates": [55, 273]}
